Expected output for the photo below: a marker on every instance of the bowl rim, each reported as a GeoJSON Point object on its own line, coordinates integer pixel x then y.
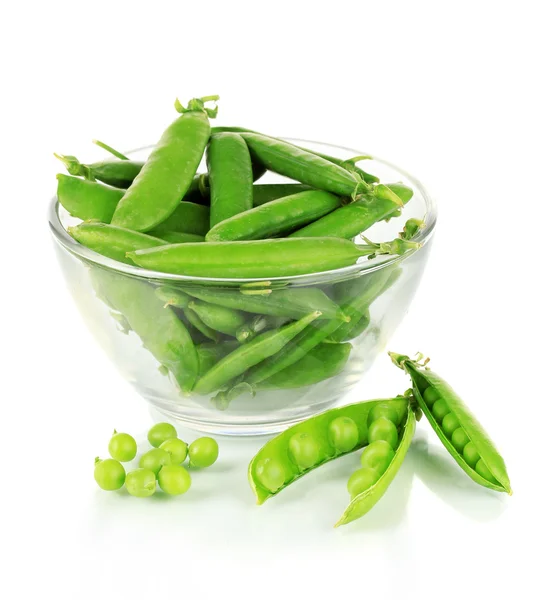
{"type": "Point", "coordinates": [62, 237]}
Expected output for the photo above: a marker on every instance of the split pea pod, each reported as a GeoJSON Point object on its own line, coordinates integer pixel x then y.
{"type": "Point", "coordinates": [222, 319]}
{"type": "Point", "coordinates": [87, 199]}
{"type": "Point", "coordinates": [267, 192]}
{"type": "Point", "coordinates": [276, 217]}
{"type": "Point", "coordinates": [262, 258]}
{"type": "Point", "coordinates": [455, 425]}
{"type": "Point", "coordinates": [169, 170]}
{"type": "Point", "coordinates": [311, 443]}
{"type": "Point", "coordinates": [188, 217]}
{"type": "Point", "coordinates": [113, 242]}
{"type": "Point", "coordinates": [248, 355]}
{"type": "Point", "coordinates": [230, 176]}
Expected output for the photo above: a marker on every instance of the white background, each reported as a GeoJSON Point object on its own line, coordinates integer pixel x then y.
{"type": "Point", "coordinates": [450, 91]}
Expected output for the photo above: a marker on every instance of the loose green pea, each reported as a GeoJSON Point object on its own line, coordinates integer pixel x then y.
{"type": "Point", "coordinates": [304, 449]}
{"type": "Point", "coordinates": [430, 396]}
{"type": "Point", "coordinates": [343, 433]}
{"type": "Point", "coordinates": [459, 439]}
{"type": "Point", "coordinates": [450, 424]}
{"type": "Point", "coordinates": [155, 459]}
{"type": "Point", "coordinates": [383, 429]}
{"type": "Point", "coordinates": [471, 456]}
{"type": "Point", "coordinates": [141, 483]}
{"type": "Point", "coordinates": [109, 474]}
{"type": "Point", "coordinates": [361, 480]}
{"type": "Point", "coordinates": [160, 433]}
{"type": "Point", "coordinates": [122, 447]}
{"type": "Point", "coordinates": [384, 410]}
{"type": "Point", "coordinates": [440, 410]}
{"type": "Point", "coordinates": [203, 452]}
{"type": "Point", "coordinates": [176, 448]}
{"type": "Point", "coordinates": [271, 474]}
{"type": "Point", "coordinates": [378, 455]}
{"type": "Point", "coordinates": [174, 479]}
{"type": "Point", "coordinates": [483, 471]}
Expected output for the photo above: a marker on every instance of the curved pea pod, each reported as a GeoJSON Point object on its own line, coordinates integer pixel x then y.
{"type": "Point", "coordinates": [87, 200]}
{"type": "Point", "coordinates": [267, 192]}
{"type": "Point", "coordinates": [188, 217]}
{"type": "Point", "coordinates": [488, 460]}
{"type": "Point", "coordinates": [194, 319]}
{"type": "Point", "coordinates": [112, 241]}
{"type": "Point", "coordinates": [365, 501]}
{"type": "Point", "coordinates": [219, 318]}
{"type": "Point", "coordinates": [275, 456]}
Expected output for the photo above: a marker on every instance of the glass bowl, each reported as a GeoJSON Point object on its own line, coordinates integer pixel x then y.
{"type": "Point", "coordinates": [318, 382]}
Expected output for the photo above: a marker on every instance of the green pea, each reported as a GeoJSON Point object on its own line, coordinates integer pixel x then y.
{"type": "Point", "coordinates": [471, 456]}
{"type": "Point", "coordinates": [271, 474]}
{"type": "Point", "coordinates": [304, 449]}
{"type": "Point", "coordinates": [378, 455]}
{"type": "Point", "coordinates": [384, 410]}
{"type": "Point", "coordinates": [383, 429]}
{"type": "Point", "coordinates": [484, 472]}
{"type": "Point", "coordinates": [174, 479]}
{"type": "Point", "coordinates": [361, 480]}
{"type": "Point", "coordinates": [141, 483]}
{"type": "Point", "coordinates": [203, 452]}
{"type": "Point", "coordinates": [176, 448]}
{"type": "Point", "coordinates": [450, 424]}
{"type": "Point", "coordinates": [154, 460]}
{"type": "Point", "coordinates": [459, 439]}
{"type": "Point", "coordinates": [122, 447]}
{"type": "Point", "coordinates": [440, 410]}
{"type": "Point", "coordinates": [160, 433]}
{"type": "Point", "coordinates": [109, 474]}
{"type": "Point", "coordinates": [430, 396]}
{"type": "Point", "coordinates": [343, 433]}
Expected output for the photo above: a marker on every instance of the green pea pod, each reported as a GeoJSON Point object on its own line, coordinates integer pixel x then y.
{"type": "Point", "coordinates": [87, 199]}
{"type": "Point", "coordinates": [112, 241]}
{"type": "Point", "coordinates": [262, 258]}
{"type": "Point", "coordinates": [257, 325]}
{"type": "Point", "coordinates": [210, 354]}
{"type": "Point", "coordinates": [250, 354]}
{"type": "Point", "coordinates": [168, 173]}
{"type": "Point", "coordinates": [172, 296]}
{"type": "Point", "coordinates": [267, 192]}
{"type": "Point", "coordinates": [118, 173]}
{"type": "Point", "coordinates": [489, 467]}
{"type": "Point", "coordinates": [274, 218]}
{"type": "Point", "coordinates": [178, 237]}
{"type": "Point", "coordinates": [188, 217]}
{"type": "Point", "coordinates": [292, 303]}
{"type": "Point", "coordinates": [272, 468]}
{"type": "Point", "coordinates": [194, 319]}
{"type": "Point", "coordinates": [365, 501]}
{"type": "Point", "coordinates": [354, 328]}
{"type": "Point", "coordinates": [230, 176]}
{"type": "Point", "coordinates": [222, 319]}
{"type": "Point", "coordinates": [161, 332]}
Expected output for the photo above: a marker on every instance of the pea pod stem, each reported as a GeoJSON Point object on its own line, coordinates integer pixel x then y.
{"type": "Point", "coordinates": [109, 149]}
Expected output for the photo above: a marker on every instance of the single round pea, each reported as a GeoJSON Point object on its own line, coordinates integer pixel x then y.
{"type": "Point", "coordinates": [484, 472]}
{"type": "Point", "coordinates": [122, 447]}
{"type": "Point", "coordinates": [174, 479]}
{"type": "Point", "coordinates": [304, 449]}
{"type": "Point", "coordinates": [383, 409]}
{"type": "Point", "coordinates": [440, 410]}
{"type": "Point", "coordinates": [154, 460]}
{"type": "Point", "coordinates": [430, 396]}
{"type": "Point", "coordinates": [203, 452]}
{"type": "Point", "coordinates": [383, 429]}
{"type": "Point", "coordinates": [109, 474]}
{"type": "Point", "coordinates": [378, 455]}
{"type": "Point", "coordinates": [161, 432]}
{"type": "Point", "coordinates": [459, 439]}
{"type": "Point", "coordinates": [471, 456]}
{"type": "Point", "coordinates": [450, 424]}
{"type": "Point", "coordinates": [141, 483]}
{"type": "Point", "coordinates": [176, 448]}
{"type": "Point", "coordinates": [343, 434]}
{"type": "Point", "coordinates": [361, 480]}
{"type": "Point", "coordinates": [271, 474]}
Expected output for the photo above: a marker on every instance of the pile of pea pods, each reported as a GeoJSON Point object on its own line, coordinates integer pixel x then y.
{"type": "Point", "coordinates": [385, 429]}
{"type": "Point", "coordinates": [163, 215]}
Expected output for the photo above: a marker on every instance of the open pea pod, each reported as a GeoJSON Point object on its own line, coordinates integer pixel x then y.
{"type": "Point", "coordinates": [274, 467]}
{"type": "Point", "coordinates": [455, 425]}
{"type": "Point", "coordinates": [365, 501]}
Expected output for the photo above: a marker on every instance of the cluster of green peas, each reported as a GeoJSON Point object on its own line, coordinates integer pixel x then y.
{"type": "Point", "coordinates": [162, 464]}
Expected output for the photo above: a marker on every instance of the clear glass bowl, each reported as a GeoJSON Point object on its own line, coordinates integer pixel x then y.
{"type": "Point", "coordinates": [270, 410]}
